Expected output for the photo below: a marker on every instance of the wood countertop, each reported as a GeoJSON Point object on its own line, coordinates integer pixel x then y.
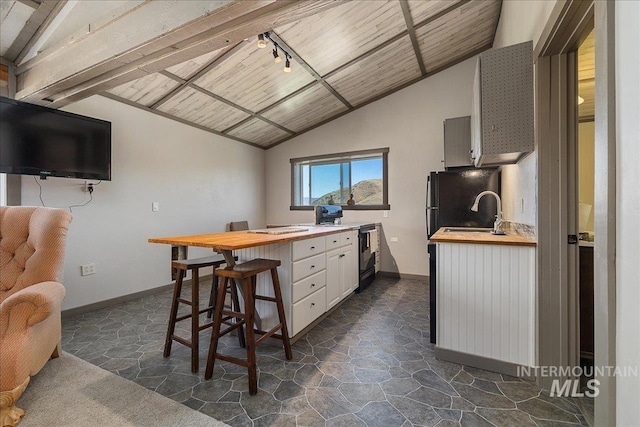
{"type": "Point", "coordinates": [234, 240]}
{"type": "Point", "coordinates": [510, 238]}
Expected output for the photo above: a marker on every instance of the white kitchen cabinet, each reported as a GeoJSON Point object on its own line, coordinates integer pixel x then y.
{"type": "Point", "coordinates": [312, 280]}
{"type": "Point", "coordinates": [348, 276]}
{"type": "Point", "coordinates": [502, 120]}
{"type": "Point", "coordinates": [457, 142]}
{"type": "Point", "coordinates": [485, 296]}
{"type": "Point", "coordinates": [342, 270]}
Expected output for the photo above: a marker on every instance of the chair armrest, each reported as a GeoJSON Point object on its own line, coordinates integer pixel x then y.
{"type": "Point", "coordinates": [29, 306]}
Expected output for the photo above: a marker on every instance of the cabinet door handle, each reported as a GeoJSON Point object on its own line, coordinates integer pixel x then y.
{"type": "Point", "coordinates": [313, 285]}
{"type": "Point", "coordinates": [312, 267]}
{"type": "Point", "coordinates": [335, 241]}
{"type": "Point", "coordinates": [313, 304]}
{"type": "Point", "coordinates": [312, 247]}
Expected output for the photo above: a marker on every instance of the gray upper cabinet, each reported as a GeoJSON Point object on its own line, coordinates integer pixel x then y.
{"type": "Point", "coordinates": [457, 142]}
{"type": "Point", "coordinates": [502, 118]}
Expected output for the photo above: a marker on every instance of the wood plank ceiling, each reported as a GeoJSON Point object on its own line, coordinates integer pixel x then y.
{"type": "Point", "coordinates": [343, 58]}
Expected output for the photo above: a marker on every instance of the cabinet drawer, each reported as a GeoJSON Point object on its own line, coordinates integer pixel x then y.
{"type": "Point", "coordinates": [308, 309]}
{"type": "Point", "coordinates": [308, 247]}
{"type": "Point", "coordinates": [307, 267]}
{"type": "Point", "coordinates": [333, 241]}
{"type": "Point", "coordinates": [347, 238]}
{"type": "Point", "coordinates": [308, 285]}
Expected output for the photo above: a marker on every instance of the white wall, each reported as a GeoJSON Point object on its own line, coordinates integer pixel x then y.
{"type": "Point", "coordinates": [201, 180]}
{"type": "Point", "coordinates": [627, 54]}
{"type": "Point", "coordinates": [521, 21]}
{"type": "Point", "coordinates": [409, 122]}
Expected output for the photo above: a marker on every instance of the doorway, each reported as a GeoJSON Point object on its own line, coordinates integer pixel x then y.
{"type": "Point", "coordinates": [586, 201]}
{"type": "Point", "coordinates": [558, 194]}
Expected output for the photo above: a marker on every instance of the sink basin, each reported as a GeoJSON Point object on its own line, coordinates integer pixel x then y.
{"type": "Point", "coordinates": [467, 230]}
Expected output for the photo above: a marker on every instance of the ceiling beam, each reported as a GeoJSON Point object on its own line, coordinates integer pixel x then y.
{"type": "Point", "coordinates": [308, 68]}
{"type": "Point", "coordinates": [37, 24]}
{"type": "Point", "coordinates": [33, 4]}
{"type": "Point", "coordinates": [412, 35]}
{"type": "Point", "coordinates": [201, 72]}
{"type": "Point", "coordinates": [152, 36]}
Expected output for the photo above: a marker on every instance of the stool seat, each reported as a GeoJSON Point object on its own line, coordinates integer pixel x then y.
{"type": "Point", "coordinates": [246, 275]}
{"type": "Point", "coordinates": [188, 264]}
{"type": "Point", "coordinates": [248, 269]}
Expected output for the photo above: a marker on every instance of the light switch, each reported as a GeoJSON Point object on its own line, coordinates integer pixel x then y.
{"type": "Point", "coordinates": [155, 206]}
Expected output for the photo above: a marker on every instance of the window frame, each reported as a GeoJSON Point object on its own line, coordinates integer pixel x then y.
{"type": "Point", "coordinates": [340, 158]}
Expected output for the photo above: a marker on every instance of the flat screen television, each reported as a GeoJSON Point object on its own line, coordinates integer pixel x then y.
{"type": "Point", "coordinates": [36, 140]}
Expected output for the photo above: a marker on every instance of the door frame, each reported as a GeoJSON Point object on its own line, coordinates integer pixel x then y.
{"type": "Point", "coordinates": [556, 122]}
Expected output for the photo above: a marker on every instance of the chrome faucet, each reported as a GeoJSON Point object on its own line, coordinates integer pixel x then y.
{"type": "Point", "coordinates": [498, 222]}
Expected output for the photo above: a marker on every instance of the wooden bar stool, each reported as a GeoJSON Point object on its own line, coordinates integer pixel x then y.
{"type": "Point", "coordinates": [182, 266]}
{"type": "Point", "coordinates": [246, 273]}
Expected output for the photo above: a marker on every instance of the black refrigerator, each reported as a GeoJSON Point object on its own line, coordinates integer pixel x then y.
{"type": "Point", "coordinates": [450, 196]}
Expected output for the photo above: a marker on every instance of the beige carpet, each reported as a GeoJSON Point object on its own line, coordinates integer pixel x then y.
{"type": "Point", "coordinates": [71, 392]}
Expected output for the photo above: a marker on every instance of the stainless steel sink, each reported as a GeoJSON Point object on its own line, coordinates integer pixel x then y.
{"type": "Point", "coordinates": [467, 230]}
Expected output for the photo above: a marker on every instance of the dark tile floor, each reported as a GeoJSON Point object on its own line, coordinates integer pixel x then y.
{"type": "Point", "coordinates": [369, 364]}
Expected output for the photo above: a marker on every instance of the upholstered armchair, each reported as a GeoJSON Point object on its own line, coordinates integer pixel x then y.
{"type": "Point", "coordinates": [32, 243]}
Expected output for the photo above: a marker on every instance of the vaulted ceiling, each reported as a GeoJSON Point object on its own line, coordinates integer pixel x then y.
{"type": "Point", "coordinates": [344, 55]}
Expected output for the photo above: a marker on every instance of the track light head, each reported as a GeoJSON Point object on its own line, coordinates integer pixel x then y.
{"type": "Point", "coordinates": [276, 57]}
{"type": "Point", "coordinates": [262, 43]}
{"type": "Point", "coordinates": [287, 66]}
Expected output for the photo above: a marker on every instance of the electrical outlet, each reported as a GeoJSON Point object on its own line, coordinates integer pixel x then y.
{"type": "Point", "coordinates": [88, 269]}
{"type": "Point", "coordinates": [522, 205]}
{"type": "Point", "coordinates": [86, 186]}
{"type": "Point", "coordinates": [155, 206]}
{"type": "Point", "coordinates": [385, 214]}
{"type": "Point", "coordinates": [394, 240]}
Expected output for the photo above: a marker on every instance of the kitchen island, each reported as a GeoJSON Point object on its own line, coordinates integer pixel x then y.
{"type": "Point", "coordinates": [486, 299]}
{"type": "Point", "coordinates": [319, 268]}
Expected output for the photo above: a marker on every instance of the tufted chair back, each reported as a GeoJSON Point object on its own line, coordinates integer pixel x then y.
{"type": "Point", "coordinates": [32, 243]}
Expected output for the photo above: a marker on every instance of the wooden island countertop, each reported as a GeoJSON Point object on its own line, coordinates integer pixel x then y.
{"type": "Point", "coordinates": [511, 239]}
{"type": "Point", "coordinates": [234, 240]}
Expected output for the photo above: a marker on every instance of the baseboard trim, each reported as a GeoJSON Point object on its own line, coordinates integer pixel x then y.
{"type": "Point", "coordinates": [396, 275]}
{"type": "Point", "coordinates": [125, 298]}
{"type": "Point", "coordinates": [486, 363]}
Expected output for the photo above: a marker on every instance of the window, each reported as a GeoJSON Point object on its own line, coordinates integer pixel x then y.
{"type": "Point", "coordinates": [322, 180]}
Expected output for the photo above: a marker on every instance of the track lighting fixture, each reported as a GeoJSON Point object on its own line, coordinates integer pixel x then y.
{"type": "Point", "coordinates": [262, 43]}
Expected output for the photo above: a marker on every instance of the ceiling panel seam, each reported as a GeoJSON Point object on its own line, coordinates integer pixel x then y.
{"type": "Point", "coordinates": [239, 107]}
{"type": "Point", "coordinates": [201, 72]}
{"type": "Point", "coordinates": [440, 14]}
{"type": "Point", "coordinates": [177, 119]}
{"type": "Point", "coordinates": [387, 93]}
{"type": "Point", "coordinates": [412, 35]}
{"type": "Point", "coordinates": [310, 69]}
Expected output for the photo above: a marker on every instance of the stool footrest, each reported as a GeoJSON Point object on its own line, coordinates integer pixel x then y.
{"type": "Point", "coordinates": [231, 359]}
{"type": "Point", "coordinates": [266, 335]}
{"type": "Point", "coordinates": [182, 341]}
{"type": "Point", "coordinates": [264, 298]}
{"type": "Point", "coordinates": [231, 328]}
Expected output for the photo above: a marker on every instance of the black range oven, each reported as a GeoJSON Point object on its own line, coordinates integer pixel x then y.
{"type": "Point", "coordinates": [367, 258]}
